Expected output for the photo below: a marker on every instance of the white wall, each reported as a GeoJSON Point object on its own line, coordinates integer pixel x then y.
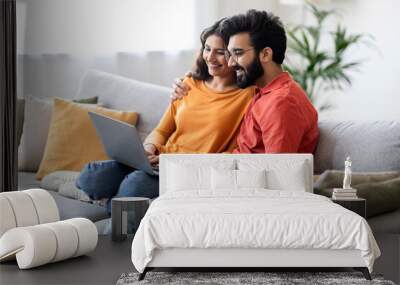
{"type": "Point", "coordinates": [92, 32]}
{"type": "Point", "coordinates": [93, 27]}
{"type": "Point", "coordinates": [58, 40]}
{"type": "Point", "coordinates": [374, 93]}
{"type": "Point", "coordinates": [73, 26]}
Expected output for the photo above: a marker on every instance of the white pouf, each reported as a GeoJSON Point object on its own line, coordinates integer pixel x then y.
{"type": "Point", "coordinates": [31, 232]}
{"type": "Point", "coordinates": [26, 208]}
{"type": "Point", "coordinates": [40, 244]}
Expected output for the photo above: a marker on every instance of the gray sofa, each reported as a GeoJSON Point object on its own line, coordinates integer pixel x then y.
{"type": "Point", "coordinates": [119, 93]}
{"type": "Point", "coordinates": [373, 146]}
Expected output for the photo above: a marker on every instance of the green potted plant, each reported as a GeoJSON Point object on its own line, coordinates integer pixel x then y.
{"type": "Point", "coordinates": [317, 68]}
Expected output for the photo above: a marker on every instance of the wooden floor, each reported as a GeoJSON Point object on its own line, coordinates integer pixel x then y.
{"type": "Point", "coordinates": [102, 266]}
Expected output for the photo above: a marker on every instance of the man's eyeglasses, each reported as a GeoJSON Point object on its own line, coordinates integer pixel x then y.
{"type": "Point", "coordinates": [236, 53]}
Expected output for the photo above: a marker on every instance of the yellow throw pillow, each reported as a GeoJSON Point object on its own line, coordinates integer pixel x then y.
{"type": "Point", "coordinates": [72, 140]}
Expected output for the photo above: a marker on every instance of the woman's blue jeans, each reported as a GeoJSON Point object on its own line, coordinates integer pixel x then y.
{"type": "Point", "coordinates": [109, 179]}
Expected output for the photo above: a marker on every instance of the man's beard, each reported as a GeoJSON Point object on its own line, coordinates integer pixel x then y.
{"type": "Point", "coordinates": [248, 76]}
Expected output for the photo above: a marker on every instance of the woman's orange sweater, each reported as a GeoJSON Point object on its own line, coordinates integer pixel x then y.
{"type": "Point", "coordinates": [204, 121]}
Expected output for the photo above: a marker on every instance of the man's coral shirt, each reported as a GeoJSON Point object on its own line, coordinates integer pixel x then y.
{"type": "Point", "coordinates": [279, 119]}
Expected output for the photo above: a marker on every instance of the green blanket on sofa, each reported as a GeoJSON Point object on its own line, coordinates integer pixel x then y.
{"type": "Point", "coordinates": [381, 190]}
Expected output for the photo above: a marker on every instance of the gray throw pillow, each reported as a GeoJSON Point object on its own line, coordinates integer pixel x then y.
{"type": "Point", "coordinates": [21, 112]}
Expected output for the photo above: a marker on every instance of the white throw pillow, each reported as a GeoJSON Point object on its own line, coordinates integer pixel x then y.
{"type": "Point", "coordinates": [284, 174]}
{"type": "Point", "coordinates": [188, 175]}
{"type": "Point", "coordinates": [237, 179]}
{"type": "Point", "coordinates": [34, 135]}
{"type": "Point", "coordinates": [68, 189]}
{"type": "Point", "coordinates": [54, 180]}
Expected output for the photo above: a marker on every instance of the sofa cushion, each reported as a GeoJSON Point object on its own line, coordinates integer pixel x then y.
{"type": "Point", "coordinates": [27, 180]}
{"type": "Point", "coordinates": [70, 190]}
{"type": "Point", "coordinates": [372, 145]}
{"type": "Point", "coordinates": [63, 182]}
{"type": "Point", "coordinates": [34, 135]}
{"type": "Point", "coordinates": [36, 121]}
{"type": "Point", "coordinates": [121, 93]}
{"type": "Point", "coordinates": [54, 180]}
{"type": "Point", "coordinates": [70, 208]}
{"type": "Point", "coordinates": [72, 140]}
{"type": "Point", "coordinates": [334, 178]}
{"type": "Point", "coordinates": [381, 196]}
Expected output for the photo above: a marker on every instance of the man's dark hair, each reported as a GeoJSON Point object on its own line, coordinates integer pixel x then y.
{"type": "Point", "coordinates": [200, 71]}
{"type": "Point", "coordinates": [265, 29]}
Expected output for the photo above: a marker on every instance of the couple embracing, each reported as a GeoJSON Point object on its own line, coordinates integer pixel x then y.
{"type": "Point", "coordinates": [238, 99]}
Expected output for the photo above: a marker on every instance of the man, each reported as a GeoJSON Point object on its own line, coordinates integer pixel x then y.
{"type": "Point", "coordinates": [280, 118]}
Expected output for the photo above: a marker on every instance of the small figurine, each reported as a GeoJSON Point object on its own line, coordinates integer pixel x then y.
{"type": "Point", "coordinates": [347, 174]}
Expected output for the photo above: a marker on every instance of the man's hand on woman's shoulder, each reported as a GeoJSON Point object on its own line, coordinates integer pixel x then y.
{"type": "Point", "coordinates": [180, 89]}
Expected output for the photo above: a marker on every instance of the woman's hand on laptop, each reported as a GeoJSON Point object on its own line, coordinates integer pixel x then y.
{"type": "Point", "coordinates": [153, 159]}
{"type": "Point", "coordinates": [150, 149]}
{"type": "Point", "coordinates": [151, 152]}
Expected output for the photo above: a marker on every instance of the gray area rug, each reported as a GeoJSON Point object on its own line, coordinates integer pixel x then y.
{"type": "Point", "coordinates": [270, 278]}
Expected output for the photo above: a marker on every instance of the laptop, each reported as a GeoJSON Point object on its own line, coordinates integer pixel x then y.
{"type": "Point", "coordinates": [122, 143]}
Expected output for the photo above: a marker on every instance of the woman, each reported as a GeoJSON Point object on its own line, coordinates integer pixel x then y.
{"type": "Point", "coordinates": [205, 121]}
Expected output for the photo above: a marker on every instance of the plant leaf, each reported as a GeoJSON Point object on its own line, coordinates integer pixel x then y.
{"type": "Point", "coordinates": [321, 68]}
